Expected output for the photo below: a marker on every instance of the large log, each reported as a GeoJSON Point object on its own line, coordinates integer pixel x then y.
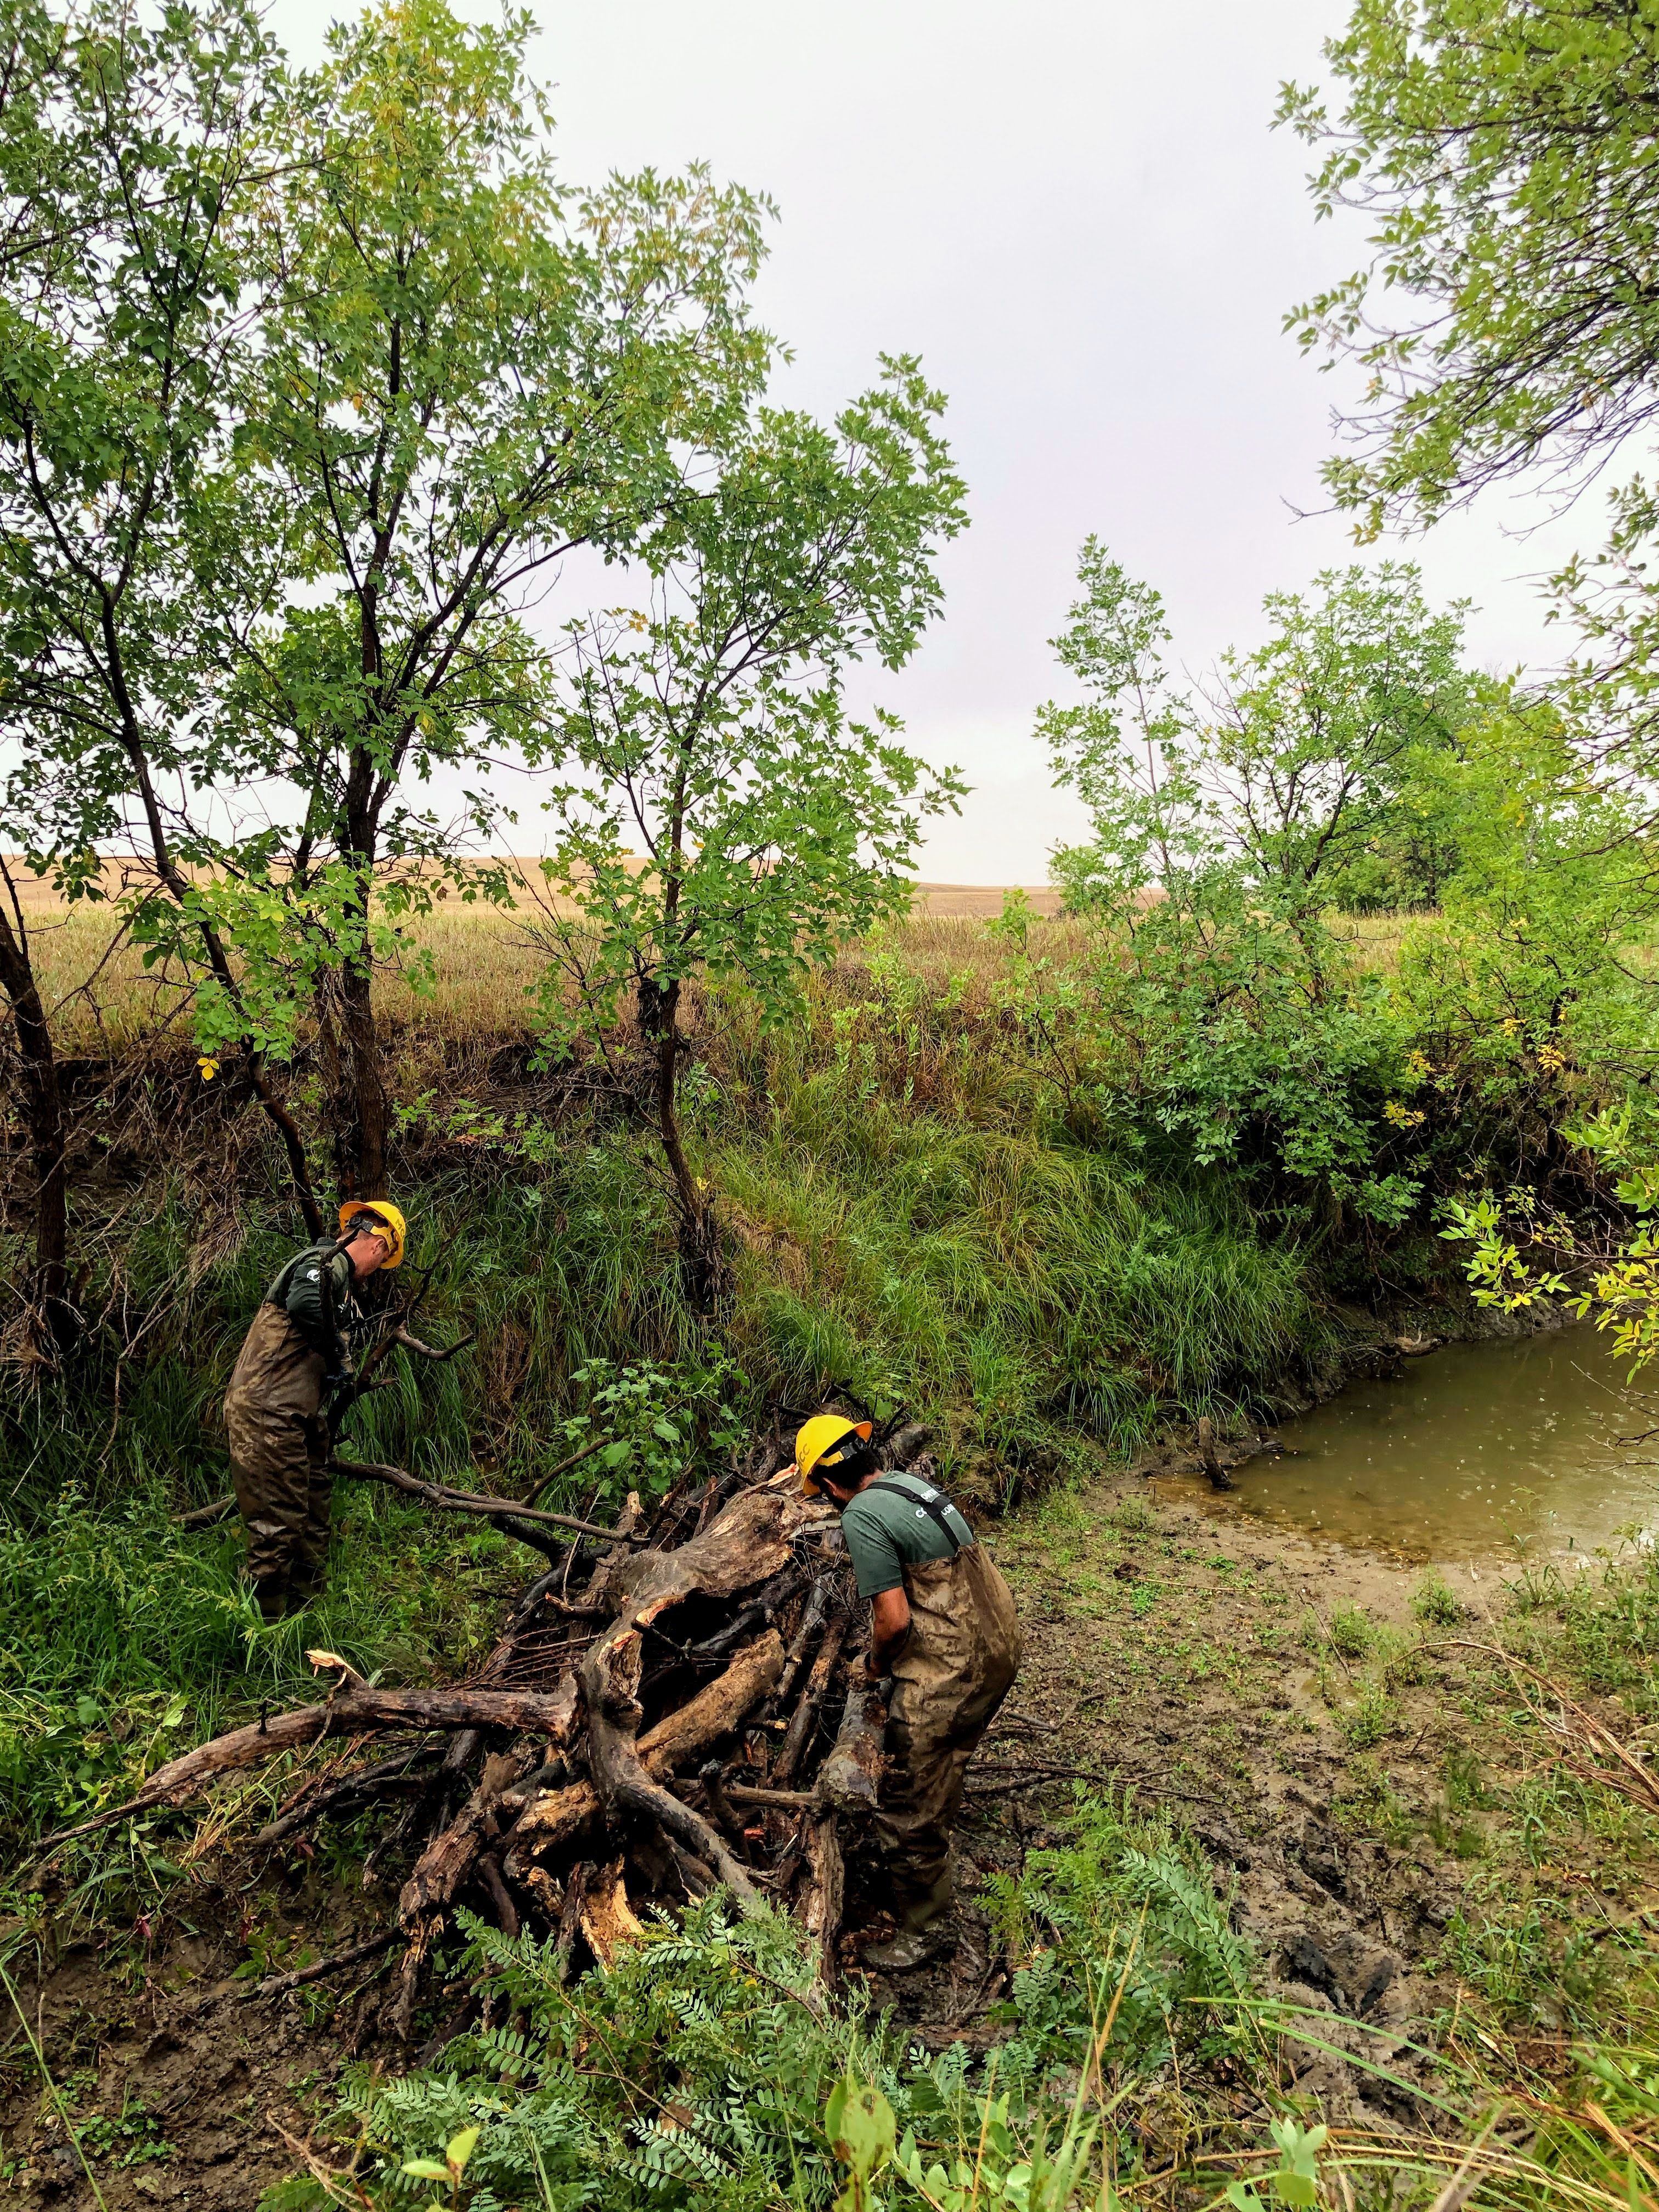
{"type": "Point", "coordinates": [747, 1543]}
{"type": "Point", "coordinates": [849, 1781]}
{"type": "Point", "coordinates": [719, 1707]}
{"type": "Point", "coordinates": [352, 1712]}
{"type": "Point", "coordinates": [824, 1896]}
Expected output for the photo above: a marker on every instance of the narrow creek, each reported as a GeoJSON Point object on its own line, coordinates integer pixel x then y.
{"type": "Point", "coordinates": [1498, 1450]}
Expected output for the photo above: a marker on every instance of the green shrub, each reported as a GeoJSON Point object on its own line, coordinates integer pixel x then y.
{"type": "Point", "coordinates": [697, 2068]}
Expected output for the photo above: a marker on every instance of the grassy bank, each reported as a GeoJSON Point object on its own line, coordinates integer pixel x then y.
{"type": "Point", "coordinates": [905, 1216]}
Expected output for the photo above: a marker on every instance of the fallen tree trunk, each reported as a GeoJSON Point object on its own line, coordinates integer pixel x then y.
{"type": "Point", "coordinates": [849, 1781]}
{"type": "Point", "coordinates": [348, 1713]}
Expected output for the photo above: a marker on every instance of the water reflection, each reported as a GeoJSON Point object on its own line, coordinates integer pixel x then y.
{"type": "Point", "coordinates": [1476, 1451]}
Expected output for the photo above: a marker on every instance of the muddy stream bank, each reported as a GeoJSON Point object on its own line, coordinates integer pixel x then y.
{"type": "Point", "coordinates": [1209, 1653]}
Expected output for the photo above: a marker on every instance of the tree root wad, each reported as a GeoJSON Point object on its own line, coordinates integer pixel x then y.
{"type": "Point", "coordinates": [626, 1744]}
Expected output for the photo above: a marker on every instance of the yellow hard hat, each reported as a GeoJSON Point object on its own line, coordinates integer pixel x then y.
{"type": "Point", "coordinates": [387, 1216]}
{"type": "Point", "coordinates": [816, 1441]}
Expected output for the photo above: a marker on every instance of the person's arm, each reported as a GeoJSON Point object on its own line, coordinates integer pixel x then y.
{"type": "Point", "coordinates": [890, 1630]}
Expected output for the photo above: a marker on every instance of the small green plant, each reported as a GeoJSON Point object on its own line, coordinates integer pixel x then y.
{"type": "Point", "coordinates": [1434, 1602]}
{"type": "Point", "coordinates": [1295, 2180]}
{"type": "Point", "coordinates": [1368, 1800]}
{"type": "Point", "coordinates": [1131, 1516]}
{"type": "Point", "coordinates": [1371, 1719]}
{"type": "Point", "coordinates": [457, 2151]}
{"type": "Point", "coordinates": [1351, 1631]}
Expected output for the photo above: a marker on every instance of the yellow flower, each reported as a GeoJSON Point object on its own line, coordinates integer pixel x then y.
{"type": "Point", "coordinates": [210, 1068]}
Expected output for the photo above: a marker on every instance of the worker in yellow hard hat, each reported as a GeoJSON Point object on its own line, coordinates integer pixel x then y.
{"type": "Point", "coordinates": [942, 1623]}
{"type": "Point", "coordinates": [299, 1348]}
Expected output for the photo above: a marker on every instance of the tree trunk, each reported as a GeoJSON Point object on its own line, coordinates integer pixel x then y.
{"type": "Point", "coordinates": [363, 1110]}
{"type": "Point", "coordinates": [659, 1017]}
{"type": "Point", "coordinates": [53, 1319]}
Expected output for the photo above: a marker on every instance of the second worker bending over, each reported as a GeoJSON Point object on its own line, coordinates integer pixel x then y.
{"type": "Point", "coordinates": [942, 1623]}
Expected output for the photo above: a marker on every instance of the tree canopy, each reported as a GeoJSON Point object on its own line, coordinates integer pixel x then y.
{"type": "Point", "coordinates": [1506, 153]}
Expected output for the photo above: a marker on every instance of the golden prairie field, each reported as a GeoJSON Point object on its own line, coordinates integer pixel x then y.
{"type": "Point", "coordinates": [485, 961]}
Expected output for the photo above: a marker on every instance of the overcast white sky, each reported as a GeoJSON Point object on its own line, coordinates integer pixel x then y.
{"type": "Point", "coordinates": [1075, 211]}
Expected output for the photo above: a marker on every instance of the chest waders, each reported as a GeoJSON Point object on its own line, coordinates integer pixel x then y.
{"type": "Point", "coordinates": [279, 1438]}
{"type": "Point", "coordinates": [956, 1667]}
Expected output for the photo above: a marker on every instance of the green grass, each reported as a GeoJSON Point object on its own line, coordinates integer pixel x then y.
{"type": "Point", "coordinates": [902, 1216]}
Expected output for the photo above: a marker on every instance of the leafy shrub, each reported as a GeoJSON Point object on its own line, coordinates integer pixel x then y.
{"type": "Point", "coordinates": [1119, 1906]}
{"type": "Point", "coordinates": [1351, 1631]}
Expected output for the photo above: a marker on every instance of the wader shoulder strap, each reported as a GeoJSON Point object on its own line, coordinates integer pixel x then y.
{"type": "Point", "coordinates": [933, 1503]}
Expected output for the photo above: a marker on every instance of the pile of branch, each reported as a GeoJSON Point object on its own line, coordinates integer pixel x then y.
{"type": "Point", "coordinates": [668, 1710]}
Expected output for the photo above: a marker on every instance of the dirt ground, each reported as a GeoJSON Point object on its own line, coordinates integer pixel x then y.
{"type": "Point", "coordinates": [1171, 1647]}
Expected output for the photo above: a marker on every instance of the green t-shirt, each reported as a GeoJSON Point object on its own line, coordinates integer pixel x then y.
{"type": "Point", "coordinates": [886, 1533]}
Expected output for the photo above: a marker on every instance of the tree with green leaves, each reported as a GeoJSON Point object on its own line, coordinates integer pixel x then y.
{"type": "Point", "coordinates": [726, 820]}
{"type": "Point", "coordinates": [128, 147]}
{"type": "Point", "coordinates": [1223, 1017]}
{"type": "Point", "coordinates": [1506, 318]}
{"type": "Point", "coordinates": [1287, 769]}
{"type": "Point", "coordinates": [465, 372]}
{"type": "Point", "coordinates": [313, 381]}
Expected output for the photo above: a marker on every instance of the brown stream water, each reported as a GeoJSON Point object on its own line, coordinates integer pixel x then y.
{"type": "Point", "coordinates": [1482, 1450]}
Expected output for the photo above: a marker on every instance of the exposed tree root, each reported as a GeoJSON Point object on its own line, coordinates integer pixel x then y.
{"type": "Point", "coordinates": [630, 1739]}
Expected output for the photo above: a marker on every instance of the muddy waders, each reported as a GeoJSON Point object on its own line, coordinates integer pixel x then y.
{"type": "Point", "coordinates": [954, 1672]}
{"type": "Point", "coordinates": [279, 1459]}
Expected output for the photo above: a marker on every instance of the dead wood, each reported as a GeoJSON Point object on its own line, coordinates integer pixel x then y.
{"type": "Point", "coordinates": [726, 1818]}
{"type": "Point", "coordinates": [849, 1781]}
{"type": "Point", "coordinates": [462, 1501]}
{"type": "Point", "coordinates": [1219, 1478]}
{"type": "Point", "coordinates": [824, 1896]}
{"type": "Point", "coordinates": [604, 1914]}
{"type": "Point", "coordinates": [448, 1859]}
{"type": "Point", "coordinates": [610, 1680]}
{"type": "Point", "coordinates": [352, 1712]}
{"type": "Point", "coordinates": [383, 1777]}
{"type": "Point", "coordinates": [275, 1985]}
{"type": "Point", "coordinates": [204, 1516]}
{"type": "Point", "coordinates": [804, 1641]}
{"type": "Point", "coordinates": [582, 1761]}
{"type": "Point", "coordinates": [719, 1708]}
{"type": "Point", "coordinates": [802, 1727]}
{"type": "Point", "coordinates": [489, 1872]}
{"type": "Point", "coordinates": [570, 1917]}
